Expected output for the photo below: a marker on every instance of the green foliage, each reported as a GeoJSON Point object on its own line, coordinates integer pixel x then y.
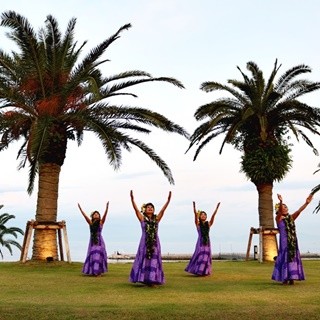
{"type": "Point", "coordinates": [315, 190]}
{"type": "Point", "coordinates": [49, 96]}
{"type": "Point", "coordinates": [257, 109]}
{"type": "Point", "coordinates": [6, 241]}
{"type": "Point", "coordinates": [256, 117]}
{"type": "Point", "coordinates": [265, 164]}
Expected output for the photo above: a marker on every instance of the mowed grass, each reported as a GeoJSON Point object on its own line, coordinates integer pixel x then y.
{"type": "Point", "coordinates": [235, 290]}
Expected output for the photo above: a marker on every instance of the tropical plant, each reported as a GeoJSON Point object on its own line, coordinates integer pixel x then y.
{"type": "Point", "coordinates": [257, 118]}
{"type": "Point", "coordinates": [5, 232]}
{"type": "Point", "coordinates": [48, 97]}
{"type": "Point", "coordinates": [315, 190]}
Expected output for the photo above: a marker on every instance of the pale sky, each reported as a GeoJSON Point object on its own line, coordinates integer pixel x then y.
{"type": "Point", "coordinates": [193, 41]}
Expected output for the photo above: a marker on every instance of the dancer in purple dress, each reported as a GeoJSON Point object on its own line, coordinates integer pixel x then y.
{"type": "Point", "coordinates": [147, 266]}
{"type": "Point", "coordinates": [288, 266]}
{"type": "Point", "coordinates": [96, 260]}
{"type": "Point", "coordinates": [200, 263]}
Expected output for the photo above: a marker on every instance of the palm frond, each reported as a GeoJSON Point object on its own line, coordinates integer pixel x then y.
{"type": "Point", "coordinates": [125, 75]}
{"type": "Point", "coordinates": [315, 189]}
{"type": "Point", "coordinates": [62, 96]}
{"type": "Point", "coordinates": [5, 217]}
{"type": "Point", "coordinates": [259, 83]}
{"type": "Point", "coordinates": [140, 115]}
{"type": "Point", "coordinates": [285, 79]}
{"type": "Point", "coordinates": [259, 112]}
{"type": "Point", "coordinates": [26, 39]}
{"type": "Point", "coordinates": [96, 52]}
{"type": "Point", "coordinates": [37, 145]}
{"type": "Point", "coordinates": [113, 90]}
{"type": "Point", "coordinates": [8, 231]}
{"type": "Point", "coordinates": [270, 83]}
{"type": "Point", "coordinates": [317, 208]}
{"type": "Point", "coordinates": [154, 157]}
{"type": "Point", "coordinates": [204, 143]}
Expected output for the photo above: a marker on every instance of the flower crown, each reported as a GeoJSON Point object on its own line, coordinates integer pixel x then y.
{"type": "Point", "coordinates": [199, 212]}
{"type": "Point", "coordinates": [277, 206]}
{"type": "Point", "coordinates": [143, 208]}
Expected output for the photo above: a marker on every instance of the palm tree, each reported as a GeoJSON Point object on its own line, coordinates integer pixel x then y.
{"type": "Point", "coordinates": [49, 97]}
{"type": "Point", "coordinates": [4, 231]}
{"type": "Point", "coordinates": [256, 119]}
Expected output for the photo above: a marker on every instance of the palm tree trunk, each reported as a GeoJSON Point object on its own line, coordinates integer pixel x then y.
{"type": "Point", "coordinates": [45, 240]}
{"type": "Point", "coordinates": [266, 220]}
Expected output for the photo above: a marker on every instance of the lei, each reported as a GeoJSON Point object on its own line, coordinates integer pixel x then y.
{"type": "Point", "coordinates": [291, 236]}
{"type": "Point", "coordinates": [151, 234]}
{"type": "Point", "coordinates": [94, 227]}
{"type": "Point", "coordinates": [204, 228]}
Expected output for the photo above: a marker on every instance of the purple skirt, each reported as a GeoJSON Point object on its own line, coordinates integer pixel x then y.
{"type": "Point", "coordinates": [284, 269]}
{"type": "Point", "coordinates": [201, 261]}
{"type": "Point", "coordinates": [144, 270]}
{"type": "Point", "coordinates": [96, 260]}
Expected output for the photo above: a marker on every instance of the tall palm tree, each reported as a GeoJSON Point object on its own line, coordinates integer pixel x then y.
{"type": "Point", "coordinates": [5, 232]}
{"type": "Point", "coordinates": [256, 119]}
{"type": "Point", "coordinates": [48, 97]}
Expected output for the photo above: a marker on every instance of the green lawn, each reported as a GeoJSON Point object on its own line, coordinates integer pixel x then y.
{"type": "Point", "coordinates": [236, 290]}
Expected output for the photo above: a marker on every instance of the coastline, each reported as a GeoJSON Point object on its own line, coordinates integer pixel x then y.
{"type": "Point", "coordinates": [187, 256]}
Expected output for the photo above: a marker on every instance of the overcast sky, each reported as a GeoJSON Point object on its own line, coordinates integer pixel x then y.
{"type": "Point", "coordinates": [194, 41]}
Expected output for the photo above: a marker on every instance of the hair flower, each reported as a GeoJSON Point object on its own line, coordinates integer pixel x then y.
{"type": "Point", "coordinates": [143, 208]}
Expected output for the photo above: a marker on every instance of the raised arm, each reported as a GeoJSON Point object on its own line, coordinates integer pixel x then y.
{"type": "Point", "coordinates": [103, 219]}
{"type": "Point", "coordinates": [296, 214]}
{"type": "Point", "coordinates": [196, 218]}
{"type": "Point", "coordinates": [163, 209]}
{"type": "Point", "coordinates": [84, 215]}
{"type": "Point", "coordinates": [279, 212]}
{"type": "Point", "coordinates": [137, 211]}
{"type": "Point", "coordinates": [214, 214]}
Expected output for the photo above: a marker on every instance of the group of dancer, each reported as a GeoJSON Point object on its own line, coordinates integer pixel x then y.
{"type": "Point", "coordinates": [147, 265]}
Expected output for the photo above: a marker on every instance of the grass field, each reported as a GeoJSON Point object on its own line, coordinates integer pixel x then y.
{"type": "Point", "coordinates": [235, 290]}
